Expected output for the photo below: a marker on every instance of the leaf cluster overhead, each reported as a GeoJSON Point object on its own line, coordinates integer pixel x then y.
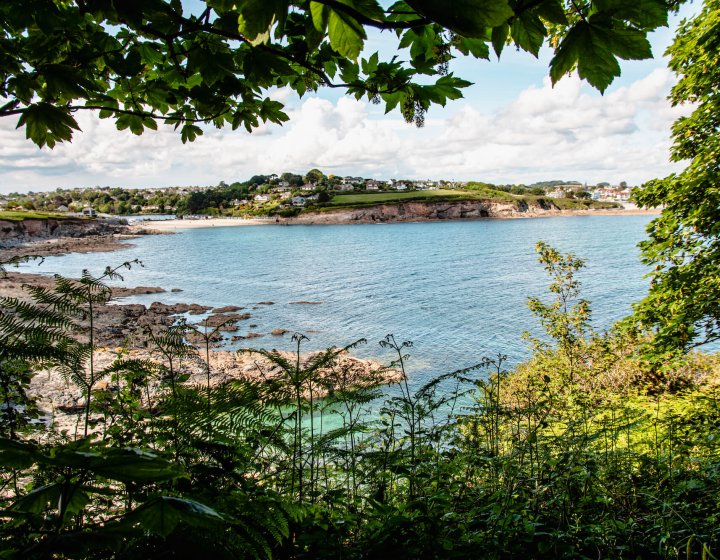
{"type": "Point", "coordinates": [141, 62]}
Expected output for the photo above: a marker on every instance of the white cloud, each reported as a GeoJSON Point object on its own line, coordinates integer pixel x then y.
{"type": "Point", "coordinates": [564, 132]}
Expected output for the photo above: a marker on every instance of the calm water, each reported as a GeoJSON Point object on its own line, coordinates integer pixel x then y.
{"type": "Point", "coordinates": [458, 290]}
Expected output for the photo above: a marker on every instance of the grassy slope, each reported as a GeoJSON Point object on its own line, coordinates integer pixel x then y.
{"type": "Point", "coordinates": [19, 216]}
{"type": "Point", "coordinates": [370, 199]}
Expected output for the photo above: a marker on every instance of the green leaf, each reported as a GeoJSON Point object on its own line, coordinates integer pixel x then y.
{"type": "Point", "coordinates": [135, 465]}
{"type": "Point", "coordinates": [346, 34]}
{"type": "Point", "coordinates": [476, 47]}
{"type": "Point", "coordinates": [15, 454]}
{"type": "Point", "coordinates": [161, 515]}
{"type": "Point", "coordinates": [149, 53]}
{"type": "Point", "coordinates": [553, 11]}
{"type": "Point", "coordinates": [470, 18]}
{"type": "Point", "coordinates": [588, 46]}
{"type": "Point", "coordinates": [121, 464]}
{"type": "Point", "coordinates": [189, 132]}
{"type": "Point", "coordinates": [46, 124]}
{"type": "Point", "coordinates": [629, 44]}
{"type": "Point", "coordinates": [499, 38]}
{"type": "Point", "coordinates": [319, 13]}
{"type": "Point", "coordinates": [647, 14]}
{"type": "Point", "coordinates": [369, 8]}
{"type": "Point", "coordinates": [39, 499]}
{"type": "Point", "coordinates": [64, 81]}
{"type": "Point", "coordinates": [256, 17]}
{"type": "Point", "coordinates": [528, 32]}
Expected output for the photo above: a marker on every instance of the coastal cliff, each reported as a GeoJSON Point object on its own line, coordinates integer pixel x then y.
{"type": "Point", "coordinates": [14, 232]}
{"type": "Point", "coordinates": [430, 211]}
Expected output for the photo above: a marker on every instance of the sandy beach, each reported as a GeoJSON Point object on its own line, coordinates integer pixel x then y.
{"type": "Point", "coordinates": [174, 225]}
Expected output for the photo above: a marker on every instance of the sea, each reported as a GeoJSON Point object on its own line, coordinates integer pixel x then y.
{"type": "Point", "coordinates": [457, 290]}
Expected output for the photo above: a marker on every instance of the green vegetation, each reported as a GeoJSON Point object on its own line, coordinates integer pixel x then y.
{"type": "Point", "coordinates": [683, 248]}
{"type": "Point", "coordinates": [582, 451]}
{"type": "Point", "coordinates": [385, 197]}
{"type": "Point", "coordinates": [592, 448]}
{"type": "Point", "coordinates": [473, 192]}
{"type": "Point", "coordinates": [18, 216]}
{"type": "Point", "coordinates": [144, 63]}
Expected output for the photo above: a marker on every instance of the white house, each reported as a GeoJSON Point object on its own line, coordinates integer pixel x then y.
{"type": "Point", "coordinates": [298, 201]}
{"type": "Point", "coordinates": [261, 197]}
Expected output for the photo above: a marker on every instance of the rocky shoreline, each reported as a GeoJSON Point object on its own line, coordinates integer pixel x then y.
{"type": "Point", "coordinates": [58, 237]}
{"type": "Point", "coordinates": [449, 211]}
{"type": "Point", "coordinates": [121, 331]}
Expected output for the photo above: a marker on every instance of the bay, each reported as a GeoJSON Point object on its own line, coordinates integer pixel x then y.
{"type": "Point", "coordinates": [458, 290]}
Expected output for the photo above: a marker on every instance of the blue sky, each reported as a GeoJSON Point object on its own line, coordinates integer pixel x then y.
{"type": "Point", "coordinates": [511, 127]}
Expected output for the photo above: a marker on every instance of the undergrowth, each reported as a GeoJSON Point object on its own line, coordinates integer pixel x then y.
{"type": "Point", "coordinates": [585, 451]}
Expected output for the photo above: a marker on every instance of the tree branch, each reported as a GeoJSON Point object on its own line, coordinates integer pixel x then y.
{"type": "Point", "coordinates": [365, 20]}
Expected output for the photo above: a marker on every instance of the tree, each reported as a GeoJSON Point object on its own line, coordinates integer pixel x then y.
{"type": "Point", "coordinates": [144, 62]}
{"type": "Point", "coordinates": [683, 303]}
{"type": "Point", "coordinates": [314, 176]}
{"type": "Point", "coordinates": [292, 179]}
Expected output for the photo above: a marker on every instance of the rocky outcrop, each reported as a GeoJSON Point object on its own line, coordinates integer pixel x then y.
{"type": "Point", "coordinates": [430, 211]}
{"type": "Point", "coordinates": [17, 232]}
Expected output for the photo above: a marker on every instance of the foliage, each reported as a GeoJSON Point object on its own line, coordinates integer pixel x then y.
{"type": "Point", "coordinates": [19, 216]}
{"type": "Point", "coordinates": [683, 304]}
{"type": "Point", "coordinates": [572, 454]}
{"type": "Point", "coordinates": [143, 62]}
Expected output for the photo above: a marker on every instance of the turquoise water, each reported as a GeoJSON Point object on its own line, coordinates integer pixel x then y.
{"type": "Point", "coordinates": [458, 290]}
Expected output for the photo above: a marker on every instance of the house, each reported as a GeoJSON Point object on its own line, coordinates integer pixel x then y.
{"type": "Point", "coordinates": [62, 208]}
{"type": "Point", "coordinates": [261, 197]}
{"type": "Point", "coordinates": [400, 187]}
{"type": "Point", "coordinates": [344, 187]}
{"type": "Point", "coordinates": [298, 201]}
{"type": "Point", "coordinates": [90, 212]}
{"type": "Point", "coordinates": [372, 186]}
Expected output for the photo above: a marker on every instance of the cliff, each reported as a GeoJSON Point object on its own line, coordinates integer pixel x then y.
{"type": "Point", "coordinates": [14, 232]}
{"type": "Point", "coordinates": [430, 211]}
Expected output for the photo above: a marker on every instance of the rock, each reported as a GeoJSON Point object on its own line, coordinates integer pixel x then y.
{"type": "Point", "coordinates": [148, 290]}
{"type": "Point", "coordinates": [266, 303]}
{"type": "Point", "coordinates": [227, 309]}
{"type": "Point", "coordinates": [251, 335]}
{"type": "Point", "coordinates": [176, 290]}
{"type": "Point", "coordinates": [278, 332]}
{"type": "Point", "coordinates": [195, 309]}
{"type": "Point", "coordinates": [223, 319]}
{"type": "Point", "coordinates": [306, 303]}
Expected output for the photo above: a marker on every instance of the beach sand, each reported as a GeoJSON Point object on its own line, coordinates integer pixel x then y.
{"type": "Point", "coordinates": [174, 225]}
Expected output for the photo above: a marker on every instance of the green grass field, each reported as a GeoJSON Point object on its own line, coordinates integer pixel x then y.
{"type": "Point", "coordinates": [370, 199]}
{"type": "Point", "coordinates": [382, 197]}
{"type": "Point", "coordinates": [19, 216]}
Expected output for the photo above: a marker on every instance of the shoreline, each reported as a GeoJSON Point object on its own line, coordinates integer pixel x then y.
{"type": "Point", "coordinates": [121, 331]}
{"type": "Point", "coordinates": [170, 226]}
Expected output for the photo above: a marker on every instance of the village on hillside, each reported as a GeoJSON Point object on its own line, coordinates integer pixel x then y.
{"type": "Point", "coordinates": [286, 192]}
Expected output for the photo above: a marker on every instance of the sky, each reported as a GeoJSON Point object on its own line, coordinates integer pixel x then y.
{"type": "Point", "coordinates": [511, 127]}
